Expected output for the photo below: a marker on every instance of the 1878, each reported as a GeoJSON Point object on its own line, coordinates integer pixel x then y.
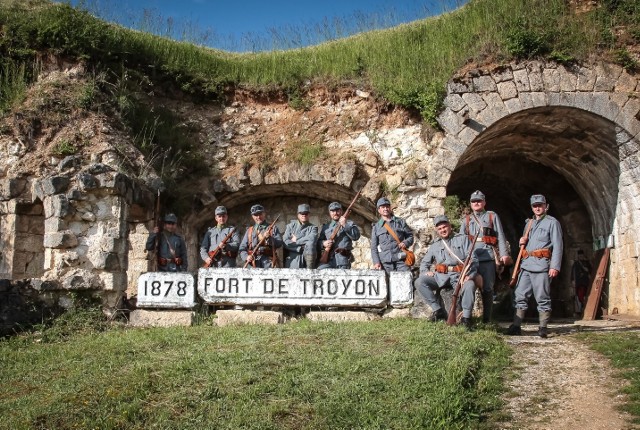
{"type": "Point", "coordinates": [155, 288]}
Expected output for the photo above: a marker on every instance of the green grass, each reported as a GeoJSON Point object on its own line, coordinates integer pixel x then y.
{"type": "Point", "coordinates": [623, 351]}
{"type": "Point", "coordinates": [389, 374]}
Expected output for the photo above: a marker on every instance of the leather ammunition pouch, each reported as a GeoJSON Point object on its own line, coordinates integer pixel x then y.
{"type": "Point", "coordinates": [344, 252]}
{"type": "Point", "coordinates": [264, 250]}
{"type": "Point", "coordinates": [443, 268]}
{"type": "Point", "coordinates": [490, 240]}
{"type": "Point", "coordinates": [538, 253]}
{"type": "Point", "coordinates": [165, 261]}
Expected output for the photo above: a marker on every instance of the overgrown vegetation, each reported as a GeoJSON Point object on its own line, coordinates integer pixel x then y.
{"type": "Point", "coordinates": [454, 209]}
{"type": "Point", "coordinates": [408, 65]}
{"type": "Point", "coordinates": [388, 374]}
{"type": "Point", "coordinates": [303, 151]}
{"type": "Point", "coordinates": [623, 349]}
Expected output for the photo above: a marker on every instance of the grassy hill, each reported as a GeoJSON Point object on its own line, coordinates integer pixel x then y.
{"type": "Point", "coordinates": [407, 65]}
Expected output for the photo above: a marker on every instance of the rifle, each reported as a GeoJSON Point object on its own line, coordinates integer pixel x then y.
{"type": "Point", "coordinates": [213, 254]}
{"type": "Point", "coordinates": [324, 258]}
{"type": "Point", "coordinates": [453, 315]}
{"type": "Point", "coordinates": [516, 267]}
{"type": "Point", "coordinates": [261, 242]}
{"type": "Point", "coordinates": [156, 246]}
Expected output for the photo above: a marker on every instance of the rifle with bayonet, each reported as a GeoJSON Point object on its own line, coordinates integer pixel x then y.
{"type": "Point", "coordinates": [213, 255]}
{"type": "Point", "coordinates": [324, 258]}
{"type": "Point", "coordinates": [265, 236]}
{"type": "Point", "coordinates": [453, 314]}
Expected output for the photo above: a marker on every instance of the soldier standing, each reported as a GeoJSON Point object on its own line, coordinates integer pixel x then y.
{"type": "Point", "coordinates": [441, 267]}
{"type": "Point", "coordinates": [300, 241]}
{"type": "Point", "coordinates": [171, 250]}
{"type": "Point", "coordinates": [386, 252]}
{"type": "Point", "coordinates": [226, 257]}
{"type": "Point", "coordinates": [342, 244]}
{"type": "Point", "coordinates": [263, 256]}
{"type": "Point", "coordinates": [491, 251]}
{"type": "Point", "coordinates": [541, 261]}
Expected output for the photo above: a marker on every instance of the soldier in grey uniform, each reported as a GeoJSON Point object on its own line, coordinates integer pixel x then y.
{"type": "Point", "coordinates": [541, 263]}
{"type": "Point", "coordinates": [441, 267]}
{"type": "Point", "coordinates": [300, 241]}
{"type": "Point", "coordinates": [342, 245]}
{"type": "Point", "coordinates": [171, 248]}
{"type": "Point", "coordinates": [212, 238]}
{"type": "Point", "coordinates": [491, 241]}
{"type": "Point", "coordinates": [265, 255]}
{"type": "Point", "coordinates": [386, 253]}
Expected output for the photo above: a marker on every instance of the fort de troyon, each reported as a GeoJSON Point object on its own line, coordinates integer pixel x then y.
{"type": "Point", "coordinates": [79, 223]}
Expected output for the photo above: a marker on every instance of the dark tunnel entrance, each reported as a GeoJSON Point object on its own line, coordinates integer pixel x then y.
{"type": "Point", "coordinates": [567, 154]}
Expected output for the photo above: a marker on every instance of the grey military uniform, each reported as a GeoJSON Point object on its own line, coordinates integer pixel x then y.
{"type": "Point", "coordinates": [211, 240]}
{"type": "Point", "coordinates": [340, 255]}
{"type": "Point", "coordinates": [384, 248]}
{"type": "Point", "coordinates": [545, 233]}
{"type": "Point", "coordinates": [306, 236]}
{"type": "Point", "coordinates": [262, 255]}
{"type": "Point", "coordinates": [437, 254]}
{"type": "Point", "coordinates": [169, 261]}
{"type": "Point", "coordinates": [491, 228]}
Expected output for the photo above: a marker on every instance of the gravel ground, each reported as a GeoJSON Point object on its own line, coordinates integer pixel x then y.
{"type": "Point", "coordinates": [559, 383]}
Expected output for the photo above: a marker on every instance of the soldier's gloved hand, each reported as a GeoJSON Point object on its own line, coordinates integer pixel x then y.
{"type": "Point", "coordinates": [523, 241]}
{"type": "Point", "coordinates": [327, 244]}
{"type": "Point", "coordinates": [342, 221]}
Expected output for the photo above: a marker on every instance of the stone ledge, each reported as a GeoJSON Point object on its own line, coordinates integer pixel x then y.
{"type": "Point", "coordinates": [239, 317]}
{"type": "Point", "coordinates": [161, 318]}
{"type": "Point", "coordinates": [340, 316]}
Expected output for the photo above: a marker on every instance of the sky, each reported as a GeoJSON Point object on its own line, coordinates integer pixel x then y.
{"type": "Point", "coordinates": [258, 25]}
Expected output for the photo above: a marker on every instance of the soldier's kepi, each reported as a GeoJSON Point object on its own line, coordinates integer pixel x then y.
{"type": "Point", "coordinates": [541, 261]}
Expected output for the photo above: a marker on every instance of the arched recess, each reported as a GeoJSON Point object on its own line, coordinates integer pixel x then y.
{"type": "Point", "coordinates": [567, 154]}
{"type": "Point", "coordinates": [282, 200]}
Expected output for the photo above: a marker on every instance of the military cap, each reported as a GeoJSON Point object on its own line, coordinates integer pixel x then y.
{"type": "Point", "coordinates": [476, 196]}
{"type": "Point", "coordinates": [440, 219]}
{"type": "Point", "coordinates": [256, 209]}
{"type": "Point", "coordinates": [171, 218]}
{"type": "Point", "coordinates": [221, 210]}
{"type": "Point", "coordinates": [383, 201]}
{"type": "Point", "coordinates": [538, 198]}
{"type": "Point", "coordinates": [304, 208]}
{"type": "Point", "coordinates": [335, 206]}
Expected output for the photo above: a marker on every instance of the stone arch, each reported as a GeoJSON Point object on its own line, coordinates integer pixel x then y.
{"type": "Point", "coordinates": [570, 133]}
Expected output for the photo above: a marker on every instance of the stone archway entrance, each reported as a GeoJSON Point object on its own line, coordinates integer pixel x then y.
{"type": "Point", "coordinates": [569, 155]}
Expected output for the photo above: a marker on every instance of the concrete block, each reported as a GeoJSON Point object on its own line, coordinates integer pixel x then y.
{"type": "Point", "coordinates": [341, 316]}
{"type": "Point", "coordinates": [240, 317]}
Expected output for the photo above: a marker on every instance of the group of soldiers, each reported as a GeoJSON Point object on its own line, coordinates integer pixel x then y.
{"type": "Point", "coordinates": [480, 243]}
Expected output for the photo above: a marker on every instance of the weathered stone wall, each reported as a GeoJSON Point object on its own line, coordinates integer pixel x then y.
{"type": "Point", "coordinates": [570, 133]}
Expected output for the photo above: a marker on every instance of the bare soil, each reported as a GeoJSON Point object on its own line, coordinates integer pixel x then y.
{"type": "Point", "coordinates": [559, 383]}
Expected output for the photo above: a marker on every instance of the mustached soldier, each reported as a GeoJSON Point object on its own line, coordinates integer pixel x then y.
{"type": "Point", "coordinates": [171, 248]}
{"type": "Point", "coordinates": [491, 241]}
{"type": "Point", "coordinates": [263, 256]}
{"type": "Point", "coordinates": [342, 245]}
{"type": "Point", "coordinates": [441, 266]}
{"type": "Point", "coordinates": [541, 263]}
{"type": "Point", "coordinates": [227, 255]}
{"type": "Point", "coordinates": [300, 241]}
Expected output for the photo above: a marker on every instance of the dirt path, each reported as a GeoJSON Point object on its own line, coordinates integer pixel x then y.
{"type": "Point", "coordinates": [560, 384]}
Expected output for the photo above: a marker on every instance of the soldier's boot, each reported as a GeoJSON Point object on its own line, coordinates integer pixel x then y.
{"type": "Point", "coordinates": [466, 323]}
{"type": "Point", "coordinates": [310, 260]}
{"type": "Point", "coordinates": [514, 329]}
{"type": "Point", "coordinates": [487, 306]}
{"type": "Point", "coordinates": [544, 321]}
{"type": "Point", "coordinates": [439, 315]}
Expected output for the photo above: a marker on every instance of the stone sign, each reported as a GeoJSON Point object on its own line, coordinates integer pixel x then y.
{"type": "Point", "coordinates": [166, 290]}
{"type": "Point", "coordinates": [293, 287]}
